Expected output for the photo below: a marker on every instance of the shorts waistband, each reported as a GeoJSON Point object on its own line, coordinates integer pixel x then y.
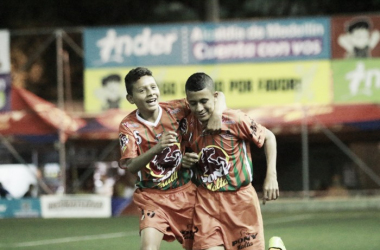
{"type": "Point", "coordinates": [169, 191]}
{"type": "Point", "coordinates": [227, 192]}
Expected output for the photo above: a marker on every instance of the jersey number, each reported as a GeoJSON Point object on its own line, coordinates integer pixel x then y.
{"type": "Point", "coordinates": [137, 136]}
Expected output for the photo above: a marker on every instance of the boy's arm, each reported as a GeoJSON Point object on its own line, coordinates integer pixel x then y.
{"type": "Point", "coordinates": [344, 41]}
{"type": "Point", "coordinates": [136, 164]}
{"type": "Point", "coordinates": [270, 188]}
{"type": "Point", "coordinates": [214, 124]}
{"type": "Point", "coordinates": [375, 38]}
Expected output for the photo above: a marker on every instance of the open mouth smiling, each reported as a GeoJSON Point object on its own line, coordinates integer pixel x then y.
{"type": "Point", "coordinates": [150, 101]}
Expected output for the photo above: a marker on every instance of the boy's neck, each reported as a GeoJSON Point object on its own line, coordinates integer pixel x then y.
{"type": "Point", "coordinates": [149, 116]}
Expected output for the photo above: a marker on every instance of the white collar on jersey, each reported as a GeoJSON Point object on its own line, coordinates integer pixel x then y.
{"type": "Point", "coordinates": [148, 122]}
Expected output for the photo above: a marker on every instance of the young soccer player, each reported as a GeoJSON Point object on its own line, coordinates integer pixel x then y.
{"type": "Point", "coordinates": [150, 147]}
{"type": "Point", "coordinates": [227, 210]}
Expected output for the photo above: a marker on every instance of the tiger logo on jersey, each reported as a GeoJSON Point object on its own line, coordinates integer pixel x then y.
{"type": "Point", "coordinates": [215, 165]}
{"type": "Point", "coordinates": [165, 164]}
{"type": "Point", "coordinates": [123, 140]}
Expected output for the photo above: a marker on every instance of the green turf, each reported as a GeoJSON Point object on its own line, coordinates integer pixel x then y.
{"type": "Point", "coordinates": [299, 231]}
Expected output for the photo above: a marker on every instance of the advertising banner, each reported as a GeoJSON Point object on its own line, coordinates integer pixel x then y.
{"type": "Point", "coordinates": [245, 85]}
{"type": "Point", "coordinates": [5, 92]}
{"type": "Point", "coordinates": [5, 71]}
{"type": "Point", "coordinates": [355, 36]}
{"type": "Point", "coordinates": [356, 81]}
{"type": "Point", "coordinates": [207, 43]}
{"type": "Point", "coordinates": [20, 208]}
{"type": "Point", "coordinates": [5, 58]}
{"type": "Point", "coordinates": [75, 206]}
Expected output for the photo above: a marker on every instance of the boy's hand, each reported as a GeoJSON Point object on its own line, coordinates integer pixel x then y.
{"type": "Point", "coordinates": [214, 124]}
{"type": "Point", "coordinates": [167, 139]}
{"type": "Point", "coordinates": [189, 160]}
{"type": "Point", "coordinates": [270, 189]}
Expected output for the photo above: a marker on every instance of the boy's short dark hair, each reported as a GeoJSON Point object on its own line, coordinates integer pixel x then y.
{"type": "Point", "coordinates": [358, 24]}
{"type": "Point", "coordinates": [199, 81]}
{"type": "Point", "coordinates": [133, 76]}
{"type": "Point", "coordinates": [111, 78]}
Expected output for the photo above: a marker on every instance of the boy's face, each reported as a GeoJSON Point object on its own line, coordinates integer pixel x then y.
{"type": "Point", "coordinates": [112, 90]}
{"type": "Point", "coordinates": [360, 38]}
{"type": "Point", "coordinates": [202, 103]}
{"type": "Point", "coordinates": [145, 94]}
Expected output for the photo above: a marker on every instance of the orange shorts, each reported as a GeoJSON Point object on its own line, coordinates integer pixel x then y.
{"type": "Point", "coordinates": [232, 219]}
{"type": "Point", "coordinates": [170, 212]}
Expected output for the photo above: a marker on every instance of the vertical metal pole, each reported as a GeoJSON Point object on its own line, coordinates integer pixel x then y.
{"type": "Point", "coordinates": [305, 156]}
{"type": "Point", "coordinates": [67, 80]}
{"type": "Point", "coordinates": [212, 10]}
{"type": "Point", "coordinates": [61, 106]}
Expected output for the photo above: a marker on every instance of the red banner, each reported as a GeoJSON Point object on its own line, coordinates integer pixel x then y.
{"type": "Point", "coordinates": [32, 115]}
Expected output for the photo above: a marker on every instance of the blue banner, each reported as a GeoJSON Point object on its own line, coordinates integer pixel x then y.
{"type": "Point", "coordinates": [20, 208]}
{"type": "Point", "coordinates": [208, 43]}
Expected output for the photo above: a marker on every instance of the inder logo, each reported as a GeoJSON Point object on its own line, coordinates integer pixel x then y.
{"type": "Point", "coordinates": [115, 48]}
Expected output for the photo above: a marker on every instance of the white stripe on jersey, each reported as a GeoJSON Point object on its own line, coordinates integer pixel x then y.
{"type": "Point", "coordinates": [246, 162]}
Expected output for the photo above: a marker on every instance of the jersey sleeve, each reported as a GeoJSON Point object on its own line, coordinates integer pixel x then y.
{"type": "Point", "coordinates": [183, 130]}
{"type": "Point", "coordinates": [128, 145]}
{"type": "Point", "coordinates": [247, 129]}
{"type": "Point", "coordinates": [182, 106]}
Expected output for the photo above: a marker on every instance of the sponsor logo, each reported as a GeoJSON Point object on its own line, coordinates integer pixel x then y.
{"type": "Point", "coordinates": [215, 165]}
{"type": "Point", "coordinates": [363, 81]}
{"type": "Point", "coordinates": [130, 125]}
{"type": "Point", "coordinates": [227, 135]}
{"type": "Point", "coordinates": [123, 139]}
{"type": "Point", "coordinates": [117, 48]}
{"type": "Point", "coordinates": [174, 111]}
{"type": "Point", "coordinates": [227, 121]}
{"type": "Point", "coordinates": [165, 164]}
{"type": "Point", "coordinates": [245, 241]}
{"type": "Point", "coordinates": [147, 213]}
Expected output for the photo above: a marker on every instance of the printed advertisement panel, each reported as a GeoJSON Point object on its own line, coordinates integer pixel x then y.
{"type": "Point", "coordinates": [206, 43]}
{"type": "Point", "coordinates": [355, 36]}
{"type": "Point", "coordinates": [5, 71]}
{"type": "Point", "coordinates": [20, 208]}
{"type": "Point", "coordinates": [258, 41]}
{"type": "Point", "coordinates": [5, 92]}
{"type": "Point", "coordinates": [5, 58]}
{"type": "Point", "coordinates": [356, 81]}
{"type": "Point", "coordinates": [132, 45]}
{"type": "Point", "coordinates": [75, 206]}
{"type": "Point", "coordinates": [244, 85]}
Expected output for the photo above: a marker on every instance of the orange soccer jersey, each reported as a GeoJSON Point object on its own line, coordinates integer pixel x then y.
{"type": "Point", "coordinates": [137, 135]}
{"type": "Point", "coordinates": [227, 209]}
{"type": "Point", "coordinates": [224, 159]}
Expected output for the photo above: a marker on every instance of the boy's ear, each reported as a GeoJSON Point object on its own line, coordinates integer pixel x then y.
{"type": "Point", "coordinates": [130, 99]}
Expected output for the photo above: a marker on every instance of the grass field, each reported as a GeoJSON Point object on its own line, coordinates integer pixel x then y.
{"type": "Point", "coordinates": [299, 231]}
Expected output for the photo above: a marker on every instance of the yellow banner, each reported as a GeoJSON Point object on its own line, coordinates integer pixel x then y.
{"type": "Point", "coordinates": [245, 85]}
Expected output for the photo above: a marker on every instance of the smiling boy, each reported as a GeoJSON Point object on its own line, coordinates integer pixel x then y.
{"type": "Point", "coordinates": [150, 148]}
{"type": "Point", "coordinates": [227, 210]}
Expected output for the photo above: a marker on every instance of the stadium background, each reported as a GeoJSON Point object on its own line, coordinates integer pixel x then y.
{"type": "Point", "coordinates": [328, 144]}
